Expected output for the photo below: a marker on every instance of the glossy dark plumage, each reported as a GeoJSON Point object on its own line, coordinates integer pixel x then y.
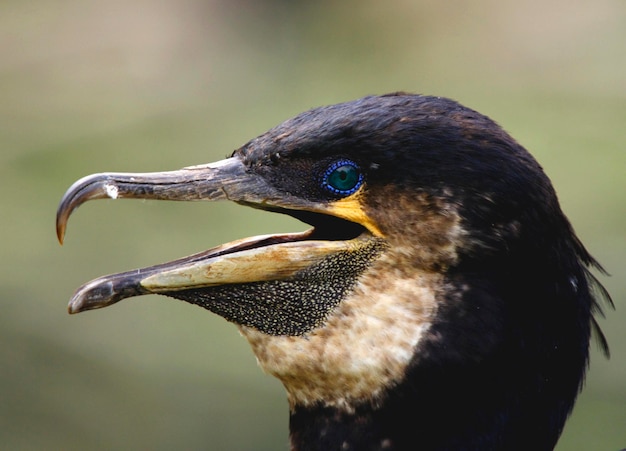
{"type": "Point", "coordinates": [441, 301]}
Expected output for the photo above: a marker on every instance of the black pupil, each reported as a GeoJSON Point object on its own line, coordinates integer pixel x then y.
{"type": "Point", "coordinates": [344, 178]}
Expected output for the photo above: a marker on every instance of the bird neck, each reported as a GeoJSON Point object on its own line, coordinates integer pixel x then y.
{"type": "Point", "coordinates": [324, 428]}
{"type": "Point", "coordinates": [438, 411]}
{"type": "Point", "coordinates": [316, 429]}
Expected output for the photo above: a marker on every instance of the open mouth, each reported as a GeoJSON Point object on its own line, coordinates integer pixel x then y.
{"type": "Point", "coordinates": [249, 260]}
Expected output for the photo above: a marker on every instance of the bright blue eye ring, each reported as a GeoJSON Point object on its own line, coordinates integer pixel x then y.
{"type": "Point", "coordinates": [342, 178]}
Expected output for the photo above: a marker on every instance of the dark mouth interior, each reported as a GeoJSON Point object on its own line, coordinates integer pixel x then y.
{"type": "Point", "coordinates": [325, 228]}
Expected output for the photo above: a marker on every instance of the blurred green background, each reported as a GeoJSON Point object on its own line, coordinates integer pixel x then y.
{"type": "Point", "coordinates": [143, 86]}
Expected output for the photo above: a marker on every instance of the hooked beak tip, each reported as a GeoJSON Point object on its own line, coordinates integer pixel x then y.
{"type": "Point", "coordinates": [60, 233]}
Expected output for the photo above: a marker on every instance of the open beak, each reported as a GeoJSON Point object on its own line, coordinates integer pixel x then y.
{"type": "Point", "coordinates": [339, 227]}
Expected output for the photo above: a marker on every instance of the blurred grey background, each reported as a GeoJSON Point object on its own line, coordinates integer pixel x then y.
{"type": "Point", "coordinates": [143, 86]}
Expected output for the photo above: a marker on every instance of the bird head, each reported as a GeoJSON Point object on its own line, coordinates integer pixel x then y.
{"type": "Point", "coordinates": [437, 247]}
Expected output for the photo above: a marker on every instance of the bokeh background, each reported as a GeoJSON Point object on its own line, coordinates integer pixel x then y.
{"type": "Point", "coordinates": [144, 86]}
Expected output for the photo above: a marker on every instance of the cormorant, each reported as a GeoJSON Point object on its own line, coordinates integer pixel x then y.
{"type": "Point", "coordinates": [441, 299]}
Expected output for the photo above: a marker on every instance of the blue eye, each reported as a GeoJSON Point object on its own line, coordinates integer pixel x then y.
{"type": "Point", "coordinates": [342, 178]}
